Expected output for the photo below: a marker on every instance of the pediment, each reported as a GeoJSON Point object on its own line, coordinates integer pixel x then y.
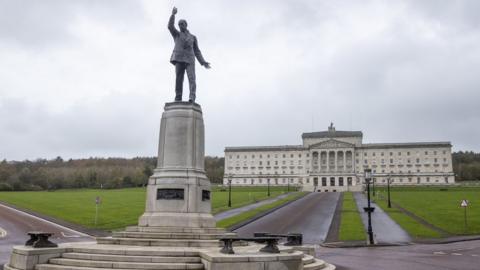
{"type": "Point", "coordinates": [332, 143]}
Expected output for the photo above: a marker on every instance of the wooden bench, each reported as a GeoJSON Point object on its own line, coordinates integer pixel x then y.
{"type": "Point", "coordinates": [270, 247]}
{"type": "Point", "coordinates": [40, 240]}
{"type": "Point", "coordinates": [293, 239]}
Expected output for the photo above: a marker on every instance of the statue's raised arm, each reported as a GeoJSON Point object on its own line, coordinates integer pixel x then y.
{"type": "Point", "coordinates": [183, 57]}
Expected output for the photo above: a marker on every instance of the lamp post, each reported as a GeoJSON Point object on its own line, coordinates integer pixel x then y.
{"type": "Point", "coordinates": [288, 185]}
{"type": "Point", "coordinates": [369, 209]}
{"type": "Point", "coordinates": [268, 187]}
{"type": "Point", "coordinates": [229, 190]}
{"type": "Point", "coordinates": [388, 192]}
{"type": "Point", "coordinates": [373, 186]}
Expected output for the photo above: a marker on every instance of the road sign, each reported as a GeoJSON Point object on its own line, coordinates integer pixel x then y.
{"type": "Point", "coordinates": [464, 203]}
{"type": "Point", "coordinates": [98, 200]}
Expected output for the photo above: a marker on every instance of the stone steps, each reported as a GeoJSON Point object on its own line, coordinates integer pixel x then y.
{"type": "Point", "coordinates": [170, 235]}
{"type": "Point", "coordinates": [125, 258]}
{"type": "Point", "coordinates": [135, 251]}
{"type": "Point", "coordinates": [308, 259]}
{"type": "Point", "coordinates": [175, 230]}
{"type": "Point", "coordinates": [158, 242]}
{"type": "Point", "coordinates": [318, 264]}
{"type": "Point", "coordinates": [118, 265]}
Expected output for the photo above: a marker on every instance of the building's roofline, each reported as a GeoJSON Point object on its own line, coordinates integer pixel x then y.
{"type": "Point", "coordinates": [264, 148]}
{"type": "Point", "coordinates": [332, 134]}
{"type": "Point", "coordinates": [404, 145]}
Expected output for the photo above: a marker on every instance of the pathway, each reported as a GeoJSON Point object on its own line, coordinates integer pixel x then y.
{"type": "Point", "coordinates": [239, 210]}
{"type": "Point", "coordinates": [310, 215]}
{"type": "Point", "coordinates": [385, 230]}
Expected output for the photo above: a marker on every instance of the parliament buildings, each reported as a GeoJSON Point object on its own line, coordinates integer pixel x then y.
{"type": "Point", "coordinates": [334, 161]}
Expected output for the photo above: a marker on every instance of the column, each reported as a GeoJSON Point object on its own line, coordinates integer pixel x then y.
{"type": "Point", "coordinates": [344, 160]}
{"type": "Point", "coordinates": [328, 160]}
{"type": "Point", "coordinates": [335, 158]}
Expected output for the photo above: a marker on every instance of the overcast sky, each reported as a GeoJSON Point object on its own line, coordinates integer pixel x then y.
{"type": "Point", "coordinates": [90, 78]}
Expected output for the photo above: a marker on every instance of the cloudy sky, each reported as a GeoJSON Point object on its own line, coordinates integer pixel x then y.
{"type": "Point", "coordinates": [90, 78]}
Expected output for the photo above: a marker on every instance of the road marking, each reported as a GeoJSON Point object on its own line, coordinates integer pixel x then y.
{"type": "Point", "coordinates": [3, 233]}
{"type": "Point", "coordinates": [456, 254]}
{"type": "Point", "coordinates": [439, 253]}
{"type": "Point", "coordinates": [474, 255]}
{"type": "Point", "coordinates": [46, 221]}
{"type": "Point", "coordinates": [70, 236]}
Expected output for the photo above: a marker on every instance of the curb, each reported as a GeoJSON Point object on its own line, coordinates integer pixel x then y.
{"type": "Point", "coordinates": [75, 227]}
{"type": "Point", "coordinates": [260, 215]}
{"type": "Point", "coordinates": [361, 244]}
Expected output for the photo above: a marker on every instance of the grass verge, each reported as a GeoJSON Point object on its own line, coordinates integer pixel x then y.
{"type": "Point", "coordinates": [119, 207]}
{"type": "Point", "coordinates": [229, 222]}
{"type": "Point", "coordinates": [351, 226]}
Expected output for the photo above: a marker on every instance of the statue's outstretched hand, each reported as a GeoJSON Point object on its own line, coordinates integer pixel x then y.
{"type": "Point", "coordinates": [174, 11]}
{"type": "Point", "coordinates": [207, 65]}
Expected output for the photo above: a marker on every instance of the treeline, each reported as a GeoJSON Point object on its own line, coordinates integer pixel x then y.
{"type": "Point", "coordinates": [466, 166]}
{"type": "Point", "coordinates": [108, 173]}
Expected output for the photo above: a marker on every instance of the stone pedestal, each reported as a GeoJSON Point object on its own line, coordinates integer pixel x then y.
{"type": "Point", "coordinates": [178, 193]}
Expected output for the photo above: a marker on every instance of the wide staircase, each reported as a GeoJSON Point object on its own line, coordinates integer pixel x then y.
{"type": "Point", "coordinates": [311, 263]}
{"type": "Point", "coordinates": [166, 236]}
{"type": "Point", "coordinates": [98, 258]}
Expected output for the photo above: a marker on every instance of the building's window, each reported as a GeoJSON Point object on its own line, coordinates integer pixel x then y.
{"type": "Point", "coordinates": [408, 161]}
{"type": "Point", "coordinates": [291, 155]}
{"type": "Point", "coordinates": [291, 172]}
{"type": "Point", "coordinates": [299, 162]}
{"type": "Point", "coordinates": [391, 160]}
{"type": "Point", "coordinates": [276, 162]}
{"type": "Point", "coordinates": [408, 153]}
{"type": "Point", "coordinates": [340, 181]}
{"type": "Point", "coordinates": [373, 154]}
{"type": "Point", "coordinates": [391, 153]}
{"type": "Point", "coordinates": [299, 155]}
{"type": "Point", "coordinates": [268, 156]}
{"type": "Point", "coordinates": [268, 162]}
{"type": "Point", "coordinates": [308, 180]}
{"type": "Point", "coordinates": [434, 152]}
{"type": "Point", "coordinates": [260, 163]}
{"type": "Point", "coordinates": [308, 155]}
{"type": "Point", "coordinates": [283, 155]}
{"type": "Point", "coordinates": [365, 161]}
{"type": "Point", "coordinates": [253, 156]}
{"type": "Point", "coordinates": [356, 160]}
{"type": "Point", "coordinates": [426, 152]}
{"type": "Point", "coordinates": [418, 160]}
{"type": "Point", "coordinates": [308, 161]}
{"type": "Point", "coordinates": [401, 180]}
{"type": "Point", "coordinates": [383, 161]}
{"type": "Point", "coordinates": [444, 160]}
{"type": "Point", "coordinates": [260, 156]}
{"type": "Point", "coordinates": [244, 181]}
{"type": "Point", "coordinates": [283, 162]}
{"type": "Point", "coordinates": [365, 154]}
{"type": "Point", "coordinates": [399, 153]}
{"type": "Point", "coordinates": [383, 171]}
{"type": "Point", "coordinates": [276, 156]}
{"type": "Point", "coordinates": [428, 179]}
{"type": "Point", "coordinates": [382, 154]}
{"type": "Point", "coordinates": [332, 181]}
{"type": "Point", "coordinates": [291, 162]}
{"type": "Point", "coordinates": [435, 160]}
{"type": "Point", "coordinates": [356, 154]}
{"type": "Point", "coordinates": [230, 156]}
{"type": "Point", "coordinates": [324, 181]}
{"type": "Point", "coordinates": [238, 156]}
{"type": "Point", "coordinates": [444, 152]}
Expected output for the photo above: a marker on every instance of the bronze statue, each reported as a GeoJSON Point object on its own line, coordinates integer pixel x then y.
{"type": "Point", "coordinates": [183, 56]}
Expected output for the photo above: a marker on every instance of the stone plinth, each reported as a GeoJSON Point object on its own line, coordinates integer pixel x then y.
{"type": "Point", "coordinates": [178, 193]}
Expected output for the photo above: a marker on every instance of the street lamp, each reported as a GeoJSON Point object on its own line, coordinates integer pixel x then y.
{"type": "Point", "coordinates": [288, 185]}
{"type": "Point", "coordinates": [268, 187]}
{"type": "Point", "coordinates": [229, 190]}
{"type": "Point", "coordinates": [388, 191]}
{"type": "Point", "coordinates": [369, 209]}
{"type": "Point", "coordinates": [373, 186]}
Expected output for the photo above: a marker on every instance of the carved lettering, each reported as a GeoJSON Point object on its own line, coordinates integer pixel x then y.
{"type": "Point", "coordinates": [170, 194]}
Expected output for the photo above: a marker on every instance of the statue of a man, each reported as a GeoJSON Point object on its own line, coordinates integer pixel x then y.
{"type": "Point", "coordinates": [183, 56]}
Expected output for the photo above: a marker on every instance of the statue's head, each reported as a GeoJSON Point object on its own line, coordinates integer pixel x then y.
{"type": "Point", "coordinates": [182, 24]}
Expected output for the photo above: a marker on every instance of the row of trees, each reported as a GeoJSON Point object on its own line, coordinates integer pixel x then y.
{"type": "Point", "coordinates": [466, 166]}
{"type": "Point", "coordinates": [43, 174]}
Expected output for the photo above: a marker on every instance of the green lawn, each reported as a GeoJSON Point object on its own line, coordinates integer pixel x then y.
{"type": "Point", "coordinates": [228, 222]}
{"type": "Point", "coordinates": [120, 207]}
{"type": "Point", "coordinates": [439, 206]}
{"type": "Point", "coordinates": [351, 226]}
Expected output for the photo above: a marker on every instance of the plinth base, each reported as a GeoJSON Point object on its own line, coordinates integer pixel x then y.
{"type": "Point", "coordinates": [168, 219]}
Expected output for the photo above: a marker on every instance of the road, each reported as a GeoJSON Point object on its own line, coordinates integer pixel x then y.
{"type": "Point", "coordinates": [15, 224]}
{"type": "Point", "coordinates": [239, 210]}
{"type": "Point", "coordinates": [460, 255]}
{"type": "Point", "coordinates": [310, 215]}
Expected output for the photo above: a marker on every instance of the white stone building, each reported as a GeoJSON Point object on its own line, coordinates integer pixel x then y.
{"type": "Point", "coordinates": [331, 161]}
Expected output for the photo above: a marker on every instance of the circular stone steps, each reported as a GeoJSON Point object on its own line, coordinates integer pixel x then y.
{"type": "Point", "coordinates": [125, 258]}
{"type": "Point", "coordinates": [307, 259]}
{"type": "Point", "coordinates": [169, 235]}
{"type": "Point", "coordinates": [158, 242]}
{"type": "Point", "coordinates": [135, 251]}
{"type": "Point", "coordinates": [175, 230]}
{"type": "Point", "coordinates": [118, 265]}
{"type": "Point", "coordinates": [318, 264]}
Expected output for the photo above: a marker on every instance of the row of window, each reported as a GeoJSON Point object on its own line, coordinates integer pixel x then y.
{"type": "Point", "coordinates": [400, 153]}
{"type": "Point", "coordinates": [268, 156]}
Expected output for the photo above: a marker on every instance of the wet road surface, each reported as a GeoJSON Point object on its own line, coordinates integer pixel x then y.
{"type": "Point", "coordinates": [460, 255]}
{"type": "Point", "coordinates": [15, 224]}
{"type": "Point", "coordinates": [236, 211]}
{"type": "Point", "coordinates": [310, 215]}
{"type": "Point", "coordinates": [385, 230]}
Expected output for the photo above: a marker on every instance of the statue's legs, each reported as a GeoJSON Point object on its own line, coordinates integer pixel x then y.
{"type": "Point", "coordinates": [191, 81]}
{"type": "Point", "coordinates": [179, 72]}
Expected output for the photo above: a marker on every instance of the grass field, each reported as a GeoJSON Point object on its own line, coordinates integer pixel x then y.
{"type": "Point", "coordinates": [439, 206]}
{"type": "Point", "coordinates": [120, 207]}
{"type": "Point", "coordinates": [228, 222]}
{"type": "Point", "coordinates": [351, 226]}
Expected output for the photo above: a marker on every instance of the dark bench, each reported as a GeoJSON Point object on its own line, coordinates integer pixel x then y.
{"type": "Point", "coordinates": [40, 240]}
{"type": "Point", "coordinates": [293, 239]}
{"type": "Point", "coordinates": [270, 247]}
